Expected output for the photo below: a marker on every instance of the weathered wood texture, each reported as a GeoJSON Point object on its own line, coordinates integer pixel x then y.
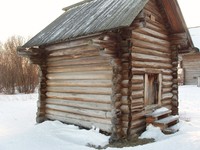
{"type": "Point", "coordinates": [190, 64]}
{"type": "Point", "coordinates": [151, 54]}
{"type": "Point", "coordinates": [79, 85]}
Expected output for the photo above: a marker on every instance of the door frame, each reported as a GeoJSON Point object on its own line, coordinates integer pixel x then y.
{"type": "Point", "coordinates": [153, 106]}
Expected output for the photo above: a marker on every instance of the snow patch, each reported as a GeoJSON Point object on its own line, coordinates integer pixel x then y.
{"type": "Point", "coordinates": [153, 133]}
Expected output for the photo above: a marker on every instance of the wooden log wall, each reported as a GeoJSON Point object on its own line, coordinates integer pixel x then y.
{"type": "Point", "coordinates": [151, 54]}
{"type": "Point", "coordinates": [110, 47]}
{"type": "Point", "coordinates": [79, 85]}
{"type": "Point", "coordinates": [191, 68]}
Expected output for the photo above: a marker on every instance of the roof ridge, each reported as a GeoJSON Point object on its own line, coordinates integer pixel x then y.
{"type": "Point", "coordinates": [76, 5]}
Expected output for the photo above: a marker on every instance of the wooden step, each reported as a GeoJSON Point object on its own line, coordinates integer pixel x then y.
{"type": "Point", "coordinates": [151, 117]}
{"type": "Point", "coordinates": [171, 130]}
{"type": "Point", "coordinates": [166, 122]}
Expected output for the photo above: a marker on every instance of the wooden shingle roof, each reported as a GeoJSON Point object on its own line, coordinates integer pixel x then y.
{"type": "Point", "coordinates": [88, 17]}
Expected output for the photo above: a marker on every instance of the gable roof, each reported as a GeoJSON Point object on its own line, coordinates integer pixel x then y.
{"type": "Point", "coordinates": [90, 16]}
{"type": "Point", "coordinates": [96, 16]}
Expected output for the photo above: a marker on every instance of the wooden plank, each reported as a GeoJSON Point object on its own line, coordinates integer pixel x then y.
{"type": "Point", "coordinates": [81, 97]}
{"type": "Point", "coordinates": [79, 104]}
{"type": "Point", "coordinates": [81, 90]}
{"type": "Point", "coordinates": [80, 83]}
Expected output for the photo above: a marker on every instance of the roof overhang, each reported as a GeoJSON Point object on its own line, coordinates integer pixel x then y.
{"type": "Point", "coordinates": [175, 19]}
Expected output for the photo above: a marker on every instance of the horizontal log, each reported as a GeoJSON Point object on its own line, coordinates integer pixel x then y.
{"type": "Point", "coordinates": [86, 124]}
{"type": "Point", "coordinates": [150, 52]}
{"type": "Point", "coordinates": [73, 43]}
{"type": "Point", "coordinates": [151, 70]}
{"type": "Point", "coordinates": [156, 65]}
{"type": "Point", "coordinates": [81, 68]}
{"type": "Point", "coordinates": [138, 122]}
{"type": "Point", "coordinates": [147, 38]}
{"type": "Point", "coordinates": [150, 58]}
{"type": "Point", "coordinates": [138, 77]}
{"type": "Point", "coordinates": [124, 91]}
{"type": "Point", "coordinates": [167, 96]}
{"type": "Point", "coordinates": [148, 45]}
{"type": "Point", "coordinates": [155, 27]}
{"type": "Point", "coordinates": [80, 83]}
{"type": "Point", "coordinates": [153, 33]}
{"type": "Point", "coordinates": [156, 24]}
{"type": "Point", "coordinates": [124, 100]}
{"type": "Point", "coordinates": [81, 90]}
{"type": "Point", "coordinates": [137, 94]}
{"type": "Point", "coordinates": [166, 90]}
{"type": "Point", "coordinates": [75, 51]}
{"type": "Point", "coordinates": [125, 109]}
{"type": "Point", "coordinates": [81, 111]}
{"type": "Point", "coordinates": [95, 75]}
{"type": "Point", "coordinates": [138, 115]}
{"type": "Point", "coordinates": [78, 116]}
{"type": "Point", "coordinates": [81, 97]}
{"type": "Point", "coordinates": [167, 84]}
{"type": "Point", "coordinates": [166, 102]}
{"type": "Point", "coordinates": [167, 77]}
{"type": "Point", "coordinates": [125, 83]}
{"type": "Point", "coordinates": [152, 8]}
{"type": "Point", "coordinates": [137, 87]}
{"type": "Point", "coordinates": [79, 104]}
{"type": "Point", "coordinates": [79, 61]}
{"type": "Point", "coordinates": [137, 100]}
{"type": "Point", "coordinates": [138, 130]}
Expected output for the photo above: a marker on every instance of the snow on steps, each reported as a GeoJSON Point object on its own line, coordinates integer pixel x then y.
{"type": "Point", "coordinates": [162, 118]}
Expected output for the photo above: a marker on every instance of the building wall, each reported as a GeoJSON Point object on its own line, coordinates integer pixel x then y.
{"type": "Point", "coordinates": [151, 56]}
{"type": "Point", "coordinates": [79, 85]}
{"type": "Point", "coordinates": [191, 66]}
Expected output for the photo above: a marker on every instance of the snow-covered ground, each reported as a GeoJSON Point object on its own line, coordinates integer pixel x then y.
{"type": "Point", "coordinates": [18, 130]}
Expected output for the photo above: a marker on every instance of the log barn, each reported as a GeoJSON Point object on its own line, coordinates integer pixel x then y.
{"type": "Point", "coordinates": [109, 63]}
{"type": "Point", "coordinates": [191, 68]}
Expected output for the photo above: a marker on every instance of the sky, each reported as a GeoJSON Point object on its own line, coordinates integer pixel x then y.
{"type": "Point", "coordinates": [27, 17]}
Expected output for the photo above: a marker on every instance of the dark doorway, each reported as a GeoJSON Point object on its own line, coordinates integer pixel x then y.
{"type": "Point", "coordinates": [152, 89]}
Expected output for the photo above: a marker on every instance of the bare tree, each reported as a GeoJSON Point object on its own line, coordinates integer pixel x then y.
{"type": "Point", "coordinates": [16, 72]}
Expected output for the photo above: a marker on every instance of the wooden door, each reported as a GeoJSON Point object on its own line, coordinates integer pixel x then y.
{"type": "Point", "coordinates": [153, 83]}
{"type": "Point", "coordinates": [152, 89]}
